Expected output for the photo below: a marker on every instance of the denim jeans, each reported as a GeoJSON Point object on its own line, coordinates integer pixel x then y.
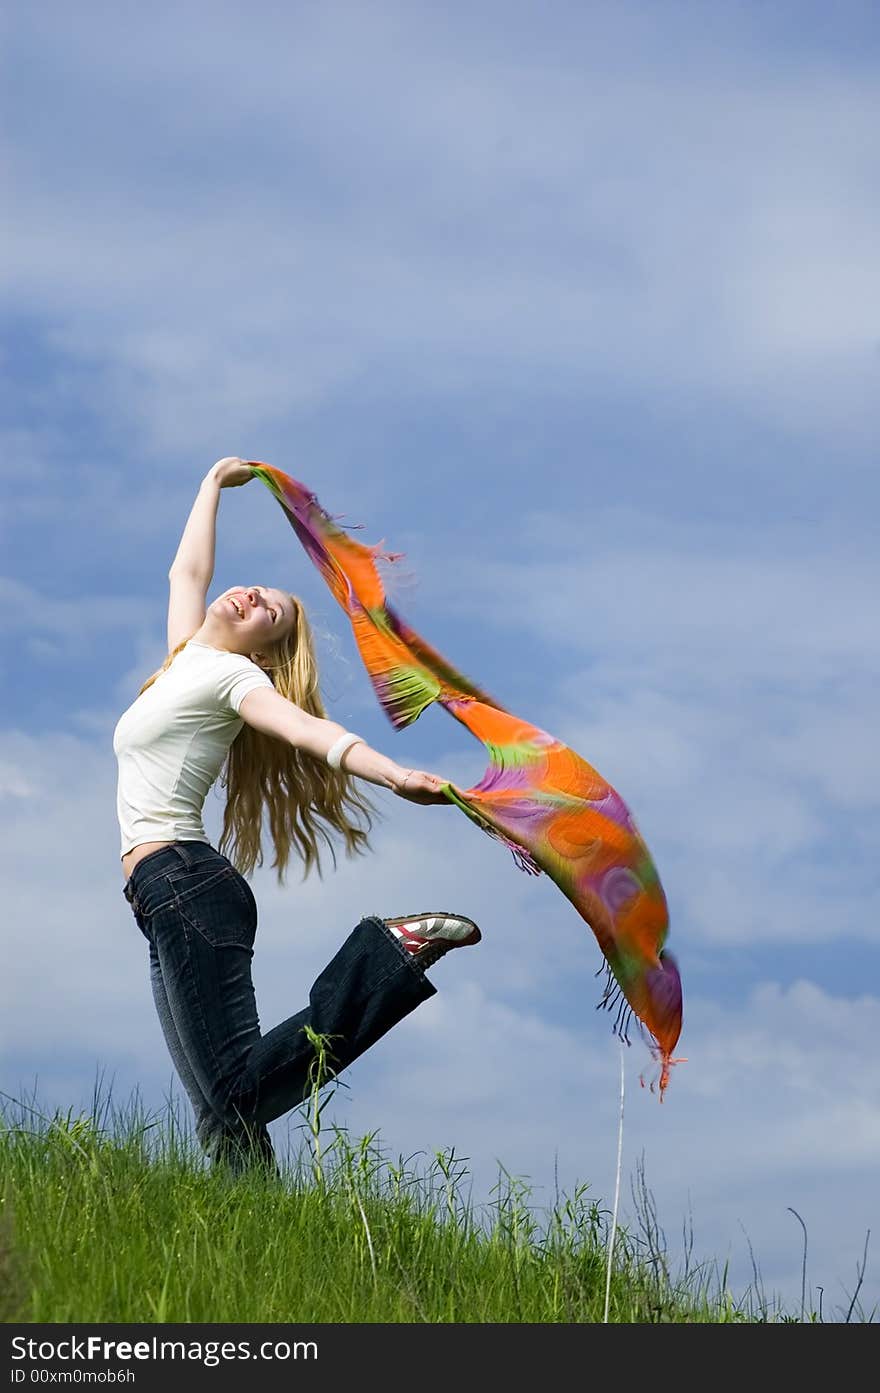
{"type": "Point", "coordinates": [199, 917]}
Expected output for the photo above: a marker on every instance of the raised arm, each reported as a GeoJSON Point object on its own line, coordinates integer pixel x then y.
{"type": "Point", "coordinates": [268, 711]}
{"type": "Point", "coordinates": [193, 567]}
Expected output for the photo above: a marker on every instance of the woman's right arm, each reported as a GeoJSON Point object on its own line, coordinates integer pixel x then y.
{"type": "Point", "coordinates": [192, 569]}
{"type": "Point", "coordinates": [195, 555]}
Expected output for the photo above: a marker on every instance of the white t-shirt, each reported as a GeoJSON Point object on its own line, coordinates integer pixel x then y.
{"type": "Point", "coordinates": [173, 739]}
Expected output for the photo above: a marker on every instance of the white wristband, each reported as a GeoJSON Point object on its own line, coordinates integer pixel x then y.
{"type": "Point", "coordinates": [339, 747]}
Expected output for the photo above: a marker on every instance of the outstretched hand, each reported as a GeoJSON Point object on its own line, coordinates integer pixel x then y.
{"type": "Point", "coordinates": [232, 472]}
{"type": "Point", "coordinates": [419, 787]}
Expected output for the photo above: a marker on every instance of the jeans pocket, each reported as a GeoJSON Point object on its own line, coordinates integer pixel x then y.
{"type": "Point", "coordinates": [141, 922]}
{"type": "Point", "coordinates": [197, 881]}
{"type": "Point", "coordinates": [219, 905]}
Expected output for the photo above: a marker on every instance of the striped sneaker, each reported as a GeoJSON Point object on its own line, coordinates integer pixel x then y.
{"type": "Point", "coordinates": [429, 936]}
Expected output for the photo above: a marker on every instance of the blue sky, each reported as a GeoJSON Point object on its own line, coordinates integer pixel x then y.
{"type": "Point", "coordinates": [578, 307]}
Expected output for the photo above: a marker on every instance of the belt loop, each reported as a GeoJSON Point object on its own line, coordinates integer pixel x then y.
{"type": "Point", "coordinates": [194, 854]}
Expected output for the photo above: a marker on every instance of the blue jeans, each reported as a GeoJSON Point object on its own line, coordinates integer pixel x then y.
{"type": "Point", "coordinates": [199, 917]}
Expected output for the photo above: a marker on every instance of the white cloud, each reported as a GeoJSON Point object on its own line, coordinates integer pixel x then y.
{"type": "Point", "coordinates": [536, 212]}
{"type": "Point", "coordinates": [727, 696]}
{"type": "Point", "coordinates": [70, 622]}
{"type": "Point", "coordinates": [723, 605]}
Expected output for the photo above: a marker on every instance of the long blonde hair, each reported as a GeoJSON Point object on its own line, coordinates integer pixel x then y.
{"type": "Point", "coordinates": [306, 801]}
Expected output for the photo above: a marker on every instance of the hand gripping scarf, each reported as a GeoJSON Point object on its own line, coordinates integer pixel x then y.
{"type": "Point", "coordinates": [547, 804]}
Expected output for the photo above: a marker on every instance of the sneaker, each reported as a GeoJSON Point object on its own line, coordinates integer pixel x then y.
{"type": "Point", "coordinates": [429, 936]}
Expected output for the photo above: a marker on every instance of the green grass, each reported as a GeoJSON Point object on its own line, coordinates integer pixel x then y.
{"type": "Point", "coordinates": [114, 1216]}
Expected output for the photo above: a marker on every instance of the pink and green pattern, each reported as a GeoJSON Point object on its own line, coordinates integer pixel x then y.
{"type": "Point", "coordinates": [553, 809]}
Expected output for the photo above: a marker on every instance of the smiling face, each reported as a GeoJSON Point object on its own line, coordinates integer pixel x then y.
{"type": "Point", "coordinates": [248, 619]}
{"type": "Point", "coordinates": [261, 609]}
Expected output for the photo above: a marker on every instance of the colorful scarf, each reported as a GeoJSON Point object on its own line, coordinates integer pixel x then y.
{"type": "Point", "coordinates": [546, 803]}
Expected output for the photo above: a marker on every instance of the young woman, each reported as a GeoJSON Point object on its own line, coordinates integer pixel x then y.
{"type": "Point", "coordinates": [239, 691]}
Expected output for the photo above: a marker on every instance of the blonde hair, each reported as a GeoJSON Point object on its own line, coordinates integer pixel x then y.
{"type": "Point", "coordinates": [306, 801]}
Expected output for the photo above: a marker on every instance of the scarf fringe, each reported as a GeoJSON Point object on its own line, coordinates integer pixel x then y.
{"type": "Point", "coordinates": [523, 859]}
{"type": "Point", "coordinates": [405, 694]}
{"type": "Point", "coordinates": [613, 999]}
{"type": "Point", "coordinates": [665, 1064]}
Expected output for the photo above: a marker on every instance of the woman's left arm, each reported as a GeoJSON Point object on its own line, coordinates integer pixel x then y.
{"type": "Point", "coordinates": [268, 711]}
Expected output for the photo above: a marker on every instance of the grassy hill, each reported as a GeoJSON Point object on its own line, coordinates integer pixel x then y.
{"type": "Point", "coordinates": [117, 1218]}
